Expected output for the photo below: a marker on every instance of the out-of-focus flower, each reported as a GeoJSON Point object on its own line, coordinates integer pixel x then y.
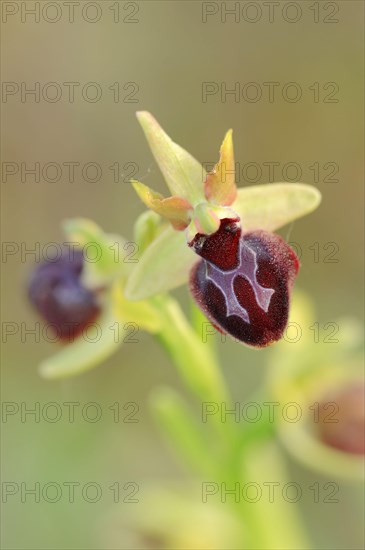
{"type": "Point", "coordinates": [341, 418]}
{"type": "Point", "coordinates": [316, 388]}
{"type": "Point", "coordinates": [56, 291]}
{"type": "Point", "coordinates": [79, 296]}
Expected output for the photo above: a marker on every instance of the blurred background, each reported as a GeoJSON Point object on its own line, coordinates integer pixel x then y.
{"type": "Point", "coordinates": [158, 56]}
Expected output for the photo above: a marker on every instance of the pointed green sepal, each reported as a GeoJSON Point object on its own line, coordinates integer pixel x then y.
{"type": "Point", "coordinates": [273, 205]}
{"type": "Point", "coordinates": [184, 175]}
{"type": "Point", "coordinates": [220, 186]}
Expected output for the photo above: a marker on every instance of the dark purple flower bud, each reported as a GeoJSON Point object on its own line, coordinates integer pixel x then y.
{"type": "Point", "coordinates": [341, 419]}
{"type": "Point", "coordinates": [56, 291]}
{"type": "Point", "coordinates": [244, 281]}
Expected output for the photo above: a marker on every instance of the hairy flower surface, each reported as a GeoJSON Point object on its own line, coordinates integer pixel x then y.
{"type": "Point", "coordinates": [244, 281]}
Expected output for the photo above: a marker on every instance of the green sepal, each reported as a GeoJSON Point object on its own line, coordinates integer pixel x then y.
{"type": "Point", "coordinates": [165, 265]}
{"type": "Point", "coordinates": [84, 353]}
{"type": "Point", "coordinates": [273, 205]}
{"type": "Point", "coordinates": [184, 175]}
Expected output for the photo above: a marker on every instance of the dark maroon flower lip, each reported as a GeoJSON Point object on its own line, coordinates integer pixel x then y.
{"type": "Point", "coordinates": [222, 247]}
{"type": "Point", "coordinates": [56, 291]}
{"type": "Point", "coordinates": [243, 282]}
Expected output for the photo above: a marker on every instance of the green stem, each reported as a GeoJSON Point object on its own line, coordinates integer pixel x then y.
{"type": "Point", "coordinates": [195, 360]}
{"type": "Point", "coordinates": [237, 458]}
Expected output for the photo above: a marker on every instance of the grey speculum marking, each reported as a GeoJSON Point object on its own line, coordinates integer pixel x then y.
{"type": "Point", "coordinates": [224, 280]}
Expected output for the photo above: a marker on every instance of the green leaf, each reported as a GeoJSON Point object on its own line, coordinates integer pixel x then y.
{"type": "Point", "coordinates": [82, 355]}
{"type": "Point", "coordinates": [184, 175]}
{"type": "Point", "coordinates": [273, 205]}
{"type": "Point", "coordinates": [164, 265]}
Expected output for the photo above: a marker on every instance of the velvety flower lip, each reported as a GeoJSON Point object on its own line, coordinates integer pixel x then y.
{"type": "Point", "coordinates": [198, 204]}
{"type": "Point", "coordinates": [243, 283]}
